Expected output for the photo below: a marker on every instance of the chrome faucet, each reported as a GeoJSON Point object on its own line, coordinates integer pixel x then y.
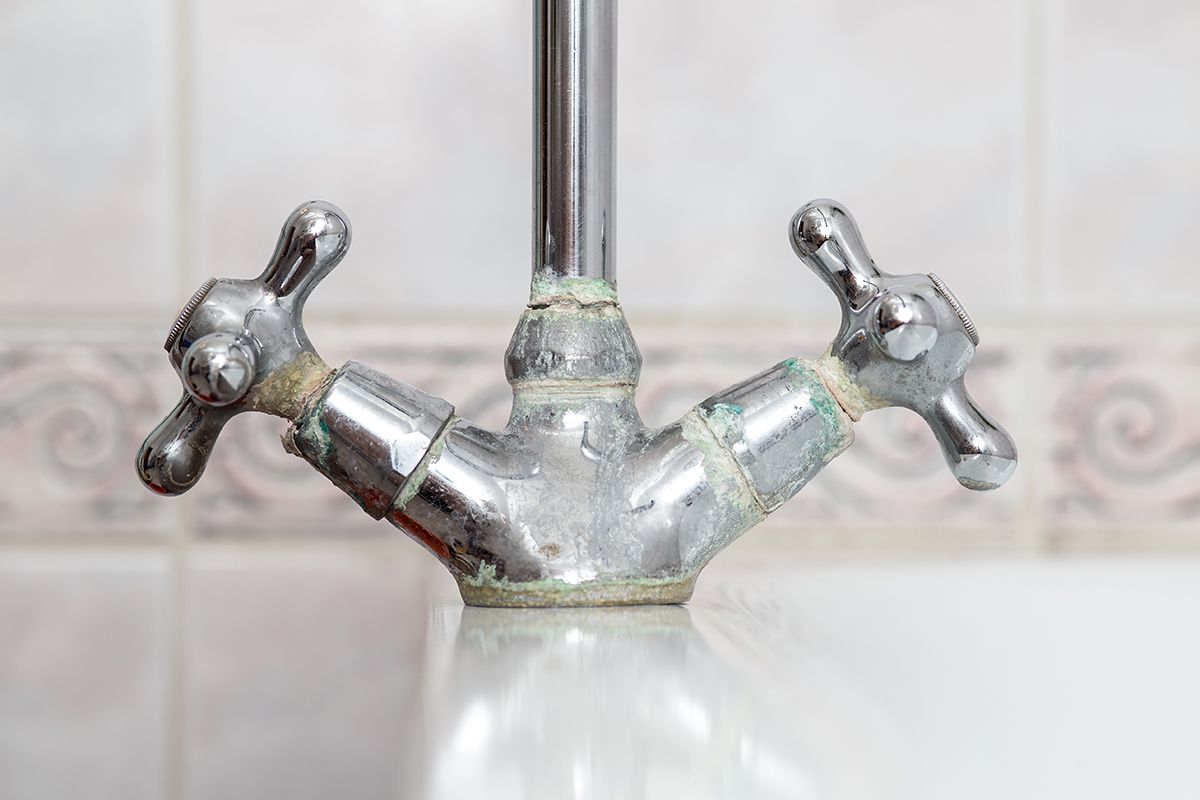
{"type": "Point", "coordinates": [575, 501]}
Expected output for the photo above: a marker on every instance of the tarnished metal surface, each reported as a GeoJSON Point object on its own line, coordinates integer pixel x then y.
{"type": "Point", "coordinates": [240, 345]}
{"type": "Point", "coordinates": [575, 502]}
{"type": "Point", "coordinates": [905, 340]}
{"type": "Point", "coordinates": [575, 344]}
{"type": "Point", "coordinates": [289, 390]}
{"type": "Point", "coordinates": [369, 433]}
{"type": "Point", "coordinates": [781, 426]}
{"type": "Point", "coordinates": [547, 287]}
{"type": "Point", "coordinates": [484, 589]}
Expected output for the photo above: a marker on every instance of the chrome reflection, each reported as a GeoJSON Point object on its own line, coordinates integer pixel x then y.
{"type": "Point", "coordinates": [637, 702]}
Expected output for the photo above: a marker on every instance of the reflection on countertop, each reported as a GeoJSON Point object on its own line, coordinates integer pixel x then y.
{"type": "Point", "coordinates": [355, 672]}
{"type": "Point", "coordinates": [640, 702]}
{"type": "Point", "coordinates": [1000, 679]}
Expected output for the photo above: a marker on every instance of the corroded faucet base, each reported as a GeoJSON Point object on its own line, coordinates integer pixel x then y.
{"type": "Point", "coordinates": [486, 590]}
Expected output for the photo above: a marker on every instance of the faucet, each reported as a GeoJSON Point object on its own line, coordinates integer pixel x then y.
{"type": "Point", "coordinates": [575, 502]}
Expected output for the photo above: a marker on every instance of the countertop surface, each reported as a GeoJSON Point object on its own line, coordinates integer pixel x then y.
{"type": "Point", "coordinates": [356, 673]}
{"type": "Point", "coordinates": [947, 680]}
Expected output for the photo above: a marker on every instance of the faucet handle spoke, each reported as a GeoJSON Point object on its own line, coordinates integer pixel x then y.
{"type": "Point", "coordinates": [978, 451]}
{"type": "Point", "coordinates": [235, 335]}
{"type": "Point", "coordinates": [174, 455]}
{"type": "Point", "coordinates": [825, 237]}
{"type": "Point", "coordinates": [905, 340]}
{"type": "Point", "coordinates": [314, 238]}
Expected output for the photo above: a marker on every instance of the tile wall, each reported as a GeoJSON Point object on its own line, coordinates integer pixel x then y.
{"type": "Point", "coordinates": [1040, 156]}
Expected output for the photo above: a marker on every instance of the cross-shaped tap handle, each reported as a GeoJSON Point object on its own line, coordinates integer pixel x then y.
{"type": "Point", "coordinates": [232, 337]}
{"type": "Point", "coordinates": [905, 340]}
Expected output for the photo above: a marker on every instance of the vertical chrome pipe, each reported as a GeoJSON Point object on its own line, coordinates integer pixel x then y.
{"type": "Point", "coordinates": [573, 120]}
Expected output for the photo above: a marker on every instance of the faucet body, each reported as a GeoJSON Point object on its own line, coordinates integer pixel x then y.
{"type": "Point", "coordinates": [575, 501]}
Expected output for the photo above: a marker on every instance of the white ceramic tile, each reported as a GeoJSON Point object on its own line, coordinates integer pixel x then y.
{"type": "Point", "coordinates": [83, 677]}
{"type": "Point", "coordinates": [731, 118]}
{"type": "Point", "coordinates": [85, 212]}
{"type": "Point", "coordinates": [412, 117]}
{"type": "Point", "coordinates": [416, 119]}
{"type": "Point", "coordinates": [302, 674]}
{"type": "Point", "coordinates": [1123, 105]}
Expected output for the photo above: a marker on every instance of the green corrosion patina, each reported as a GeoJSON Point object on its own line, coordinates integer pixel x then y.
{"type": "Point", "coordinates": [310, 438]}
{"type": "Point", "coordinates": [289, 390]}
{"type": "Point", "coordinates": [715, 430]}
{"type": "Point", "coordinates": [546, 398]}
{"type": "Point", "coordinates": [573, 313]}
{"type": "Point", "coordinates": [725, 420]}
{"type": "Point", "coordinates": [547, 287]}
{"type": "Point", "coordinates": [837, 431]}
{"type": "Point", "coordinates": [854, 400]}
{"type": "Point", "coordinates": [721, 470]}
{"type": "Point", "coordinates": [485, 589]}
{"type": "Point", "coordinates": [297, 392]}
{"type": "Point", "coordinates": [804, 378]}
{"type": "Point", "coordinates": [827, 431]}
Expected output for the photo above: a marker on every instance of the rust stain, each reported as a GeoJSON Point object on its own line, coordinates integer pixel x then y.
{"type": "Point", "coordinates": [418, 532]}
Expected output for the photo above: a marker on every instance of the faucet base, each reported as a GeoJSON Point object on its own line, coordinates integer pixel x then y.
{"type": "Point", "coordinates": [485, 590]}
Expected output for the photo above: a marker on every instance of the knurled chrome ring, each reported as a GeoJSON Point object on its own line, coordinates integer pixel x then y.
{"type": "Point", "coordinates": [185, 313]}
{"type": "Point", "coordinates": [944, 290]}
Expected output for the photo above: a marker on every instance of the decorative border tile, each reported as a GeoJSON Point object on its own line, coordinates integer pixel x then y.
{"type": "Point", "coordinates": [1124, 453]}
{"type": "Point", "coordinates": [1126, 459]}
{"type": "Point", "coordinates": [72, 416]}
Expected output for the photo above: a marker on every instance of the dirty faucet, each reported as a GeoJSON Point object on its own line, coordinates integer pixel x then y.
{"type": "Point", "coordinates": [576, 501]}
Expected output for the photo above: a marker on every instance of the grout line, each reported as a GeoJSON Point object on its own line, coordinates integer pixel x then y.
{"type": "Point", "coordinates": [177, 548]}
{"type": "Point", "coordinates": [1036, 239]}
{"type": "Point", "coordinates": [1032, 447]}
{"type": "Point", "coordinates": [55, 327]}
{"type": "Point", "coordinates": [92, 544]}
{"type": "Point", "coordinates": [185, 542]}
{"type": "Point", "coordinates": [1032, 370]}
{"type": "Point", "coordinates": [179, 540]}
{"type": "Point", "coordinates": [854, 538]}
{"type": "Point", "coordinates": [184, 152]}
{"type": "Point", "coordinates": [861, 539]}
